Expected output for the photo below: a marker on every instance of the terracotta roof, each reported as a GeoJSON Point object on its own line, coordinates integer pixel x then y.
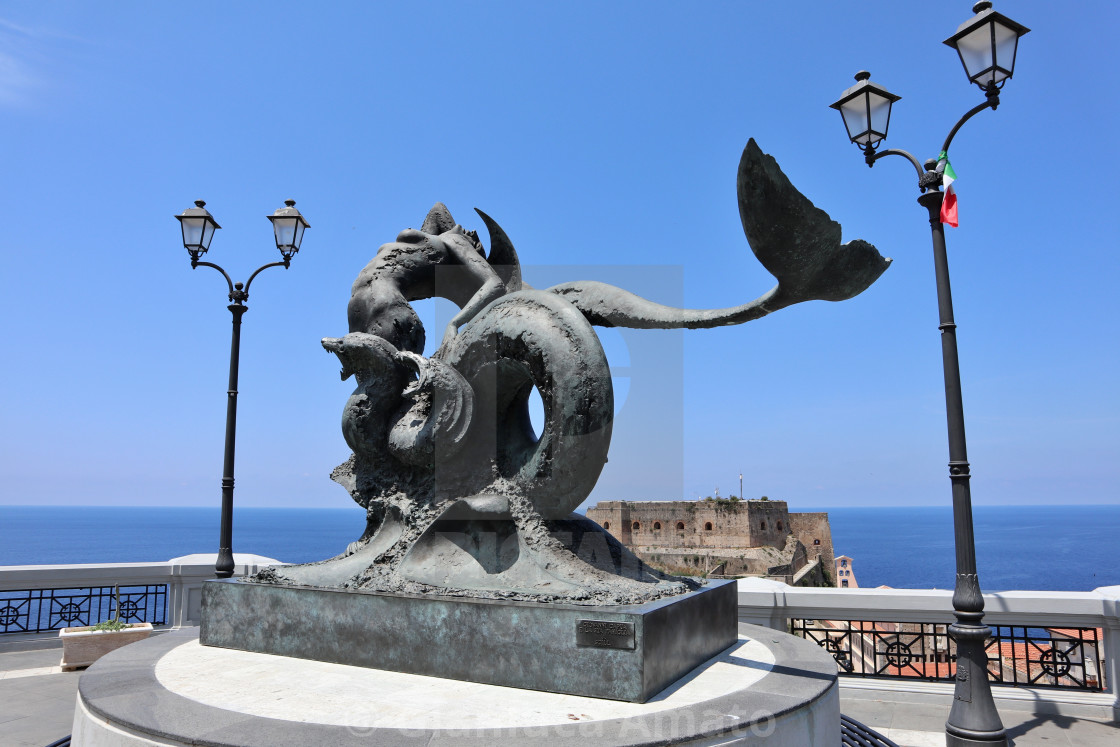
{"type": "Point", "coordinates": [1078, 634]}
{"type": "Point", "coordinates": [888, 627]}
{"type": "Point", "coordinates": [1022, 655]}
{"type": "Point", "coordinates": [1022, 649]}
{"type": "Point", "coordinates": [924, 669]}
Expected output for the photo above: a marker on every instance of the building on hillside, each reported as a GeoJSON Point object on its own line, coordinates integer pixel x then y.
{"type": "Point", "coordinates": [724, 537]}
{"type": "Point", "coordinates": [1076, 656]}
{"type": "Point", "coordinates": [845, 577]}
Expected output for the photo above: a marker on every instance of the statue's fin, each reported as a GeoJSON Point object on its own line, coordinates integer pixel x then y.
{"type": "Point", "coordinates": [502, 256]}
{"type": "Point", "coordinates": [438, 220]}
{"type": "Point", "coordinates": [795, 240]}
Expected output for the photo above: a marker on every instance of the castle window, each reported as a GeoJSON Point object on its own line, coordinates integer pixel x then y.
{"type": "Point", "coordinates": [816, 542]}
{"type": "Point", "coordinates": [606, 525]}
{"type": "Point", "coordinates": [680, 525]}
{"type": "Point", "coordinates": [764, 525]}
{"type": "Point", "coordinates": [637, 525]}
{"type": "Point", "coordinates": [657, 525]}
{"type": "Point", "coordinates": [779, 526]}
{"type": "Point", "coordinates": [707, 526]}
{"type": "Point", "coordinates": [843, 564]}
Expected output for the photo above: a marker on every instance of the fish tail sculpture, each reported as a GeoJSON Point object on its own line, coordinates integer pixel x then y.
{"type": "Point", "coordinates": [794, 240]}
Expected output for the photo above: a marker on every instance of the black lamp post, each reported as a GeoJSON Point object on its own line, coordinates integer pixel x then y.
{"type": "Point", "coordinates": [198, 230]}
{"type": "Point", "coordinates": [986, 44]}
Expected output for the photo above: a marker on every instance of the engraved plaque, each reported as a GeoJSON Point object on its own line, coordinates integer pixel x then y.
{"type": "Point", "coordinates": [605, 634]}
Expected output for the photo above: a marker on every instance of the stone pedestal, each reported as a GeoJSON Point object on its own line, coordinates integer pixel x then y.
{"type": "Point", "coordinates": [768, 689]}
{"type": "Point", "coordinates": [623, 652]}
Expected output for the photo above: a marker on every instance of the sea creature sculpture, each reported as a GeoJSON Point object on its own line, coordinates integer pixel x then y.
{"type": "Point", "coordinates": [461, 495]}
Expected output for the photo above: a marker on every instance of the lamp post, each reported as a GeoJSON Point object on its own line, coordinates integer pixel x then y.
{"type": "Point", "coordinates": [986, 44]}
{"type": "Point", "coordinates": [198, 230]}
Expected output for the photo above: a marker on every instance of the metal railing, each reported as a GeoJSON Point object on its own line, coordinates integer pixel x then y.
{"type": "Point", "coordinates": [855, 734]}
{"type": "Point", "coordinates": [43, 610]}
{"type": "Point", "coordinates": [1066, 658]}
{"type": "Point", "coordinates": [38, 599]}
{"type": "Point", "coordinates": [1054, 650]}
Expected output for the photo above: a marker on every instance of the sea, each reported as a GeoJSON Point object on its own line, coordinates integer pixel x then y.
{"type": "Point", "coordinates": [1046, 548]}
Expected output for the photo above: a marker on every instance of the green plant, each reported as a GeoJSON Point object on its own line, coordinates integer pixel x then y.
{"type": "Point", "coordinates": [114, 623]}
{"type": "Point", "coordinates": [721, 504]}
{"type": "Point", "coordinates": [109, 625]}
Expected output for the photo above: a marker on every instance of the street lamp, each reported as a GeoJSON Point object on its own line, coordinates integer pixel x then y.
{"type": "Point", "coordinates": [987, 44]}
{"type": "Point", "coordinates": [198, 231]}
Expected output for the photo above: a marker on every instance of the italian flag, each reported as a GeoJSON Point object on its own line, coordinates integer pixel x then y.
{"type": "Point", "coordinates": [949, 203]}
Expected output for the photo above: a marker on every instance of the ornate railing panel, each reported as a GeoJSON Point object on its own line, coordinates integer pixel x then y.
{"type": "Point", "coordinates": [43, 610]}
{"type": "Point", "coordinates": [1060, 658]}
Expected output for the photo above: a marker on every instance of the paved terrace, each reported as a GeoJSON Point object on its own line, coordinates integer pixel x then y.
{"type": "Point", "coordinates": [37, 699]}
{"type": "Point", "coordinates": [38, 708]}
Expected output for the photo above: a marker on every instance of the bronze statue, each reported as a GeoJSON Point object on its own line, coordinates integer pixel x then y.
{"type": "Point", "coordinates": [462, 497]}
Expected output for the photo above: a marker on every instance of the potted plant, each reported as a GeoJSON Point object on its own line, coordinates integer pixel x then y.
{"type": "Point", "coordinates": [84, 645]}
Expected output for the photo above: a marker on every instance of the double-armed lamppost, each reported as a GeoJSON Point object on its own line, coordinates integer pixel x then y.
{"type": "Point", "coordinates": [198, 229]}
{"type": "Point", "coordinates": [986, 43]}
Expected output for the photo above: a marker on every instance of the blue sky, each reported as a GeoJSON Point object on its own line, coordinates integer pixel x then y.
{"type": "Point", "coordinates": [604, 137]}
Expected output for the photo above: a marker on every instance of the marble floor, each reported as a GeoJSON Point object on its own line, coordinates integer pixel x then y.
{"type": "Point", "coordinates": [38, 707]}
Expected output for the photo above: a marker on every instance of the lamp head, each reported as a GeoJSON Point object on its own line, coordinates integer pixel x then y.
{"type": "Point", "coordinates": [866, 110]}
{"type": "Point", "coordinates": [198, 229]}
{"type": "Point", "coordinates": [288, 225]}
{"type": "Point", "coordinates": [986, 44]}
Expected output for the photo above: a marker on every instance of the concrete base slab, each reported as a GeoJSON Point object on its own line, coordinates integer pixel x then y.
{"type": "Point", "coordinates": [623, 652]}
{"type": "Point", "coordinates": [769, 688]}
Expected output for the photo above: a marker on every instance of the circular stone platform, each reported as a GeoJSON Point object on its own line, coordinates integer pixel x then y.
{"type": "Point", "coordinates": [770, 688]}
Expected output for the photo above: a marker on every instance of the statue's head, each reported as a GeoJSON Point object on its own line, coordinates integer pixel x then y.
{"type": "Point", "coordinates": [439, 223]}
{"type": "Point", "coordinates": [439, 228]}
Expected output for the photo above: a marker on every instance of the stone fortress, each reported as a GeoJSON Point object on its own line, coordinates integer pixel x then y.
{"type": "Point", "coordinates": [724, 537]}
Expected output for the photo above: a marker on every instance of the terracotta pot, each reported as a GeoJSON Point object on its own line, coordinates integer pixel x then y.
{"type": "Point", "coordinates": [83, 646]}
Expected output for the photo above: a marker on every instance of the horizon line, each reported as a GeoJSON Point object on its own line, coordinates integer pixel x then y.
{"type": "Point", "coordinates": [631, 500]}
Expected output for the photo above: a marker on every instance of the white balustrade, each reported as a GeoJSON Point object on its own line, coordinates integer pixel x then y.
{"type": "Point", "coordinates": [183, 577]}
{"type": "Point", "coordinates": [773, 604]}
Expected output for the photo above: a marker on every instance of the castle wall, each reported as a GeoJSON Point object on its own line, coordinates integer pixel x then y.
{"type": "Point", "coordinates": [811, 575]}
{"type": "Point", "coordinates": [765, 562]}
{"type": "Point", "coordinates": [695, 524]}
{"type": "Point", "coordinates": [728, 538]}
{"type": "Point", "coordinates": [614, 516]}
{"type": "Point", "coordinates": [769, 523]}
{"type": "Point", "coordinates": [814, 531]}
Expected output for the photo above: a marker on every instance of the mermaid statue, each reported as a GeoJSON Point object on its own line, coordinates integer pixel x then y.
{"type": "Point", "coordinates": [462, 496]}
